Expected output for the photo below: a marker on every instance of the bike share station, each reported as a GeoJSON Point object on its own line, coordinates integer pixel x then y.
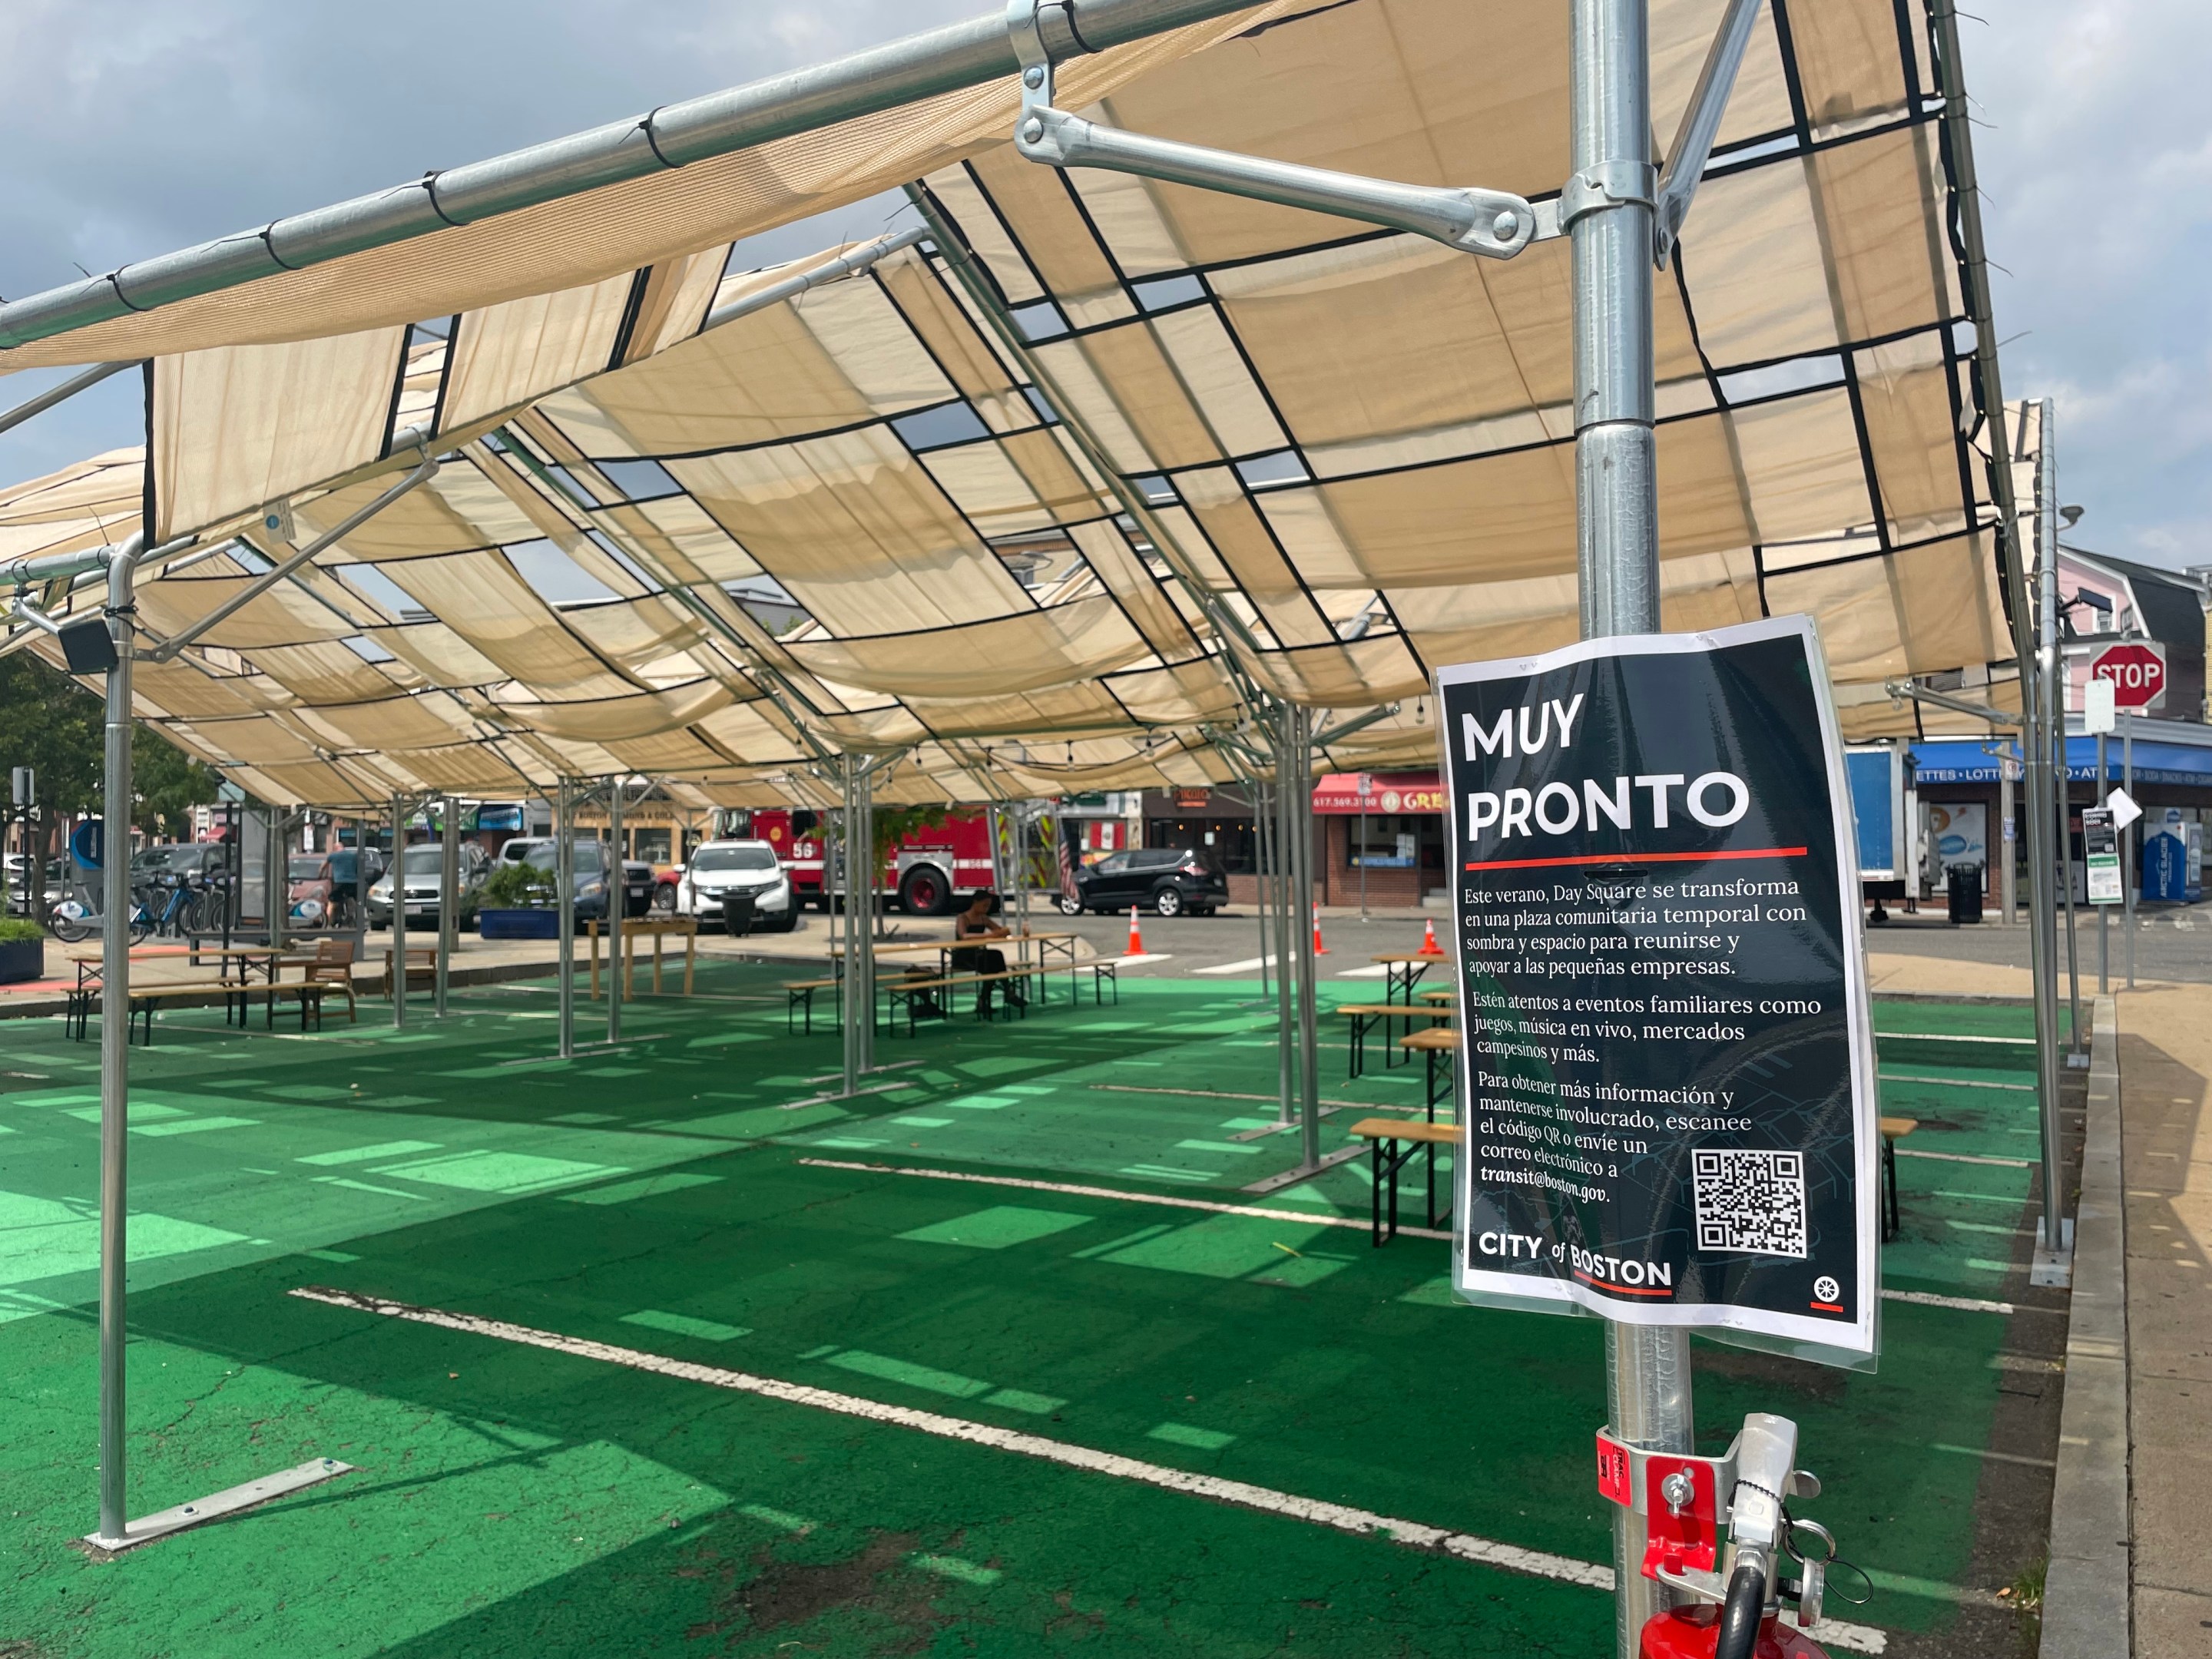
{"type": "Point", "coordinates": [1667, 1090]}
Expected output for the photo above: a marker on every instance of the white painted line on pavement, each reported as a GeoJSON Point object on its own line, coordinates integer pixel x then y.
{"type": "Point", "coordinates": [1239, 1494]}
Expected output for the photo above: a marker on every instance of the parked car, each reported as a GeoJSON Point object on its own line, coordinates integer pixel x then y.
{"type": "Point", "coordinates": [325, 889]}
{"type": "Point", "coordinates": [593, 860]}
{"type": "Point", "coordinates": [719, 867]}
{"type": "Point", "coordinates": [57, 883]}
{"type": "Point", "coordinates": [420, 867]}
{"type": "Point", "coordinates": [1171, 881]}
{"type": "Point", "coordinates": [180, 858]}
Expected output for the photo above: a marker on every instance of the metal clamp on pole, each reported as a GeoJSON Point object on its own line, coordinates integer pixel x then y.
{"type": "Point", "coordinates": [1494, 223]}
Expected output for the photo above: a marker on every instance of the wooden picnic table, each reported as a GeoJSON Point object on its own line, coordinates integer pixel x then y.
{"type": "Point", "coordinates": [657, 928]}
{"type": "Point", "coordinates": [1403, 971]}
{"type": "Point", "coordinates": [1048, 944]}
{"type": "Point", "coordinates": [270, 959]}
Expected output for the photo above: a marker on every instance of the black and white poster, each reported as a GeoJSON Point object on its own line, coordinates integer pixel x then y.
{"type": "Point", "coordinates": [1666, 1059]}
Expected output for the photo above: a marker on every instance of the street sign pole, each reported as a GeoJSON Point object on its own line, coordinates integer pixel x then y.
{"type": "Point", "coordinates": [2128, 846]}
{"type": "Point", "coordinates": [2104, 913]}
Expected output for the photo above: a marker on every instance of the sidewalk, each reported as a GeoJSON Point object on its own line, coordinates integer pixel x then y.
{"type": "Point", "coordinates": [2166, 1091]}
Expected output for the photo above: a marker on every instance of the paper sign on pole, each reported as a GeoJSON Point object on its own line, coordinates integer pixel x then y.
{"type": "Point", "coordinates": [2101, 855]}
{"type": "Point", "coordinates": [1668, 1064]}
{"type": "Point", "coordinates": [2122, 807]}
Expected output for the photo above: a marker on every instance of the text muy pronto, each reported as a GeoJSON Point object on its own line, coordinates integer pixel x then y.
{"type": "Point", "coordinates": [1715, 799]}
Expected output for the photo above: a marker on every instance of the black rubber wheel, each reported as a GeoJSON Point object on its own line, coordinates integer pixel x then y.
{"type": "Point", "coordinates": [1069, 906]}
{"type": "Point", "coordinates": [925, 892]}
{"type": "Point", "coordinates": [1168, 901]}
{"type": "Point", "coordinates": [664, 897]}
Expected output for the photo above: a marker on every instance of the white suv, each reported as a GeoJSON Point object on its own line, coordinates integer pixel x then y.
{"type": "Point", "coordinates": [718, 867]}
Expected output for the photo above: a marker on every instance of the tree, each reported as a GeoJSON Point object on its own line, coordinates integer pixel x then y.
{"type": "Point", "coordinates": [50, 722]}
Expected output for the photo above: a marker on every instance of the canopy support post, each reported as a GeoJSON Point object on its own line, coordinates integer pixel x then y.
{"type": "Point", "coordinates": [401, 808]}
{"type": "Point", "coordinates": [1285, 967]}
{"type": "Point", "coordinates": [116, 1531]}
{"type": "Point", "coordinates": [115, 1040]}
{"type": "Point", "coordinates": [2042, 942]}
{"type": "Point", "coordinates": [2054, 1252]}
{"type": "Point", "coordinates": [564, 901]}
{"type": "Point", "coordinates": [618, 880]}
{"type": "Point", "coordinates": [1608, 207]}
{"type": "Point", "coordinates": [1306, 922]}
{"type": "Point", "coordinates": [449, 894]}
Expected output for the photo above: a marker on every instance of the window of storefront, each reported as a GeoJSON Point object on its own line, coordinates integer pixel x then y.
{"type": "Point", "coordinates": [1224, 843]}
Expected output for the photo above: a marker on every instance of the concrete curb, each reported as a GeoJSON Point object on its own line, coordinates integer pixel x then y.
{"type": "Point", "coordinates": [2086, 1594]}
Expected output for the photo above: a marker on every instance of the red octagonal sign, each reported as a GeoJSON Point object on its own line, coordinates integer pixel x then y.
{"type": "Point", "coordinates": [2138, 672]}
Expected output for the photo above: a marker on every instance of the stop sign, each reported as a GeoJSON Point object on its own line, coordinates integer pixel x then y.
{"type": "Point", "coordinates": [2137, 670]}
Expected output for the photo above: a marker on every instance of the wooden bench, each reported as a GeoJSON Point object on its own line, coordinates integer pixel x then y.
{"type": "Point", "coordinates": [421, 967]}
{"type": "Point", "coordinates": [145, 999]}
{"type": "Point", "coordinates": [1366, 1015]}
{"type": "Point", "coordinates": [1436, 1045]}
{"type": "Point", "coordinates": [798, 997]}
{"type": "Point", "coordinates": [1894, 1129]}
{"type": "Point", "coordinates": [1396, 1142]}
{"type": "Point", "coordinates": [907, 993]}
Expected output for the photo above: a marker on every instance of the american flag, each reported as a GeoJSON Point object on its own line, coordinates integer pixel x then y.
{"type": "Point", "coordinates": [1067, 840]}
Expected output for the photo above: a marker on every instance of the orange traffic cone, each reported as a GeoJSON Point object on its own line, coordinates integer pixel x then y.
{"type": "Point", "coordinates": [1136, 939]}
{"type": "Point", "coordinates": [1429, 945]}
{"type": "Point", "coordinates": [1320, 950]}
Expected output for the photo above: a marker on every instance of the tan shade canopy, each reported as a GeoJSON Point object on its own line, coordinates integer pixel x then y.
{"type": "Point", "coordinates": [1051, 499]}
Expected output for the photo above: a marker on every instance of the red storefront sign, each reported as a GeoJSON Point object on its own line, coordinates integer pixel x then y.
{"type": "Point", "coordinates": [1389, 792]}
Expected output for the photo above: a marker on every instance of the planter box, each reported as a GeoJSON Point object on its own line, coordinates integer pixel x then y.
{"type": "Point", "coordinates": [22, 959]}
{"type": "Point", "coordinates": [518, 924]}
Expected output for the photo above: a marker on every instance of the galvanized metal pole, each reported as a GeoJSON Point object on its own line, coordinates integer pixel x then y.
{"type": "Point", "coordinates": [449, 893]}
{"type": "Point", "coordinates": [2057, 861]}
{"type": "Point", "coordinates": [115, 1040]}
{"type": "Point", "coordinates": [1608, 202]}
{"type": "Point", "coordinates": [1286, 1018]}
{"type": "Point", "coordinates": [2127, 842]}
{"type": "Point", "coordinates": [1308, 1014]}
{"type": "Point", "coordinates": [1263, 804]}
{"type": "Point", "coordinates": [870, 868]}
{"type": "Point", "coordinates": [564, 900]}
{"type": "Point", "coordinates": [848, 963]}
{"type": "Point", "coordinates": [399, 811]}
{"type": "Point", "coordinates": [618, 877]}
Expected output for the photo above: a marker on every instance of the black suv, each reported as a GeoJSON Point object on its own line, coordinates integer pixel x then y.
{"type": "Point", "coordinates": [1172, 881]}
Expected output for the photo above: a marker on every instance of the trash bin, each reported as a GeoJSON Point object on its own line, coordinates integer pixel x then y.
{"type": "Point", "coordinates": [1965, 883]}
{"type": "Point", "coordinates": [738, 913]}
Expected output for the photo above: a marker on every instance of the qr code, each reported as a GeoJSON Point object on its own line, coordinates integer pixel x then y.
{"type": "Point", "coordinates": [1753, 1201]}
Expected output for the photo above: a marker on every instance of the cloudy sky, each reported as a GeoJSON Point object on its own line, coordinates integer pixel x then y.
{"type": "Point", "coordinates": [133, 129]}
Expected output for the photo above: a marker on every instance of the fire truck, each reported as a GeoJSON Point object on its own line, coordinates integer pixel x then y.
{"type": "Point", "coordinates": [925, 870]}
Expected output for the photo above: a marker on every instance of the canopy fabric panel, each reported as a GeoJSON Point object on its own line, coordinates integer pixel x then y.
{"type": "Point", "coordinates": [579, 241]}
{"type": "Point", "coordinates": [1052, 506]}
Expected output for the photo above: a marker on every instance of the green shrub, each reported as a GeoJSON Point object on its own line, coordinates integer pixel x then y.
{"type": "Point", "coordinates": [517, 887]}
{"type": "Point", "coordinates": [15, 930]}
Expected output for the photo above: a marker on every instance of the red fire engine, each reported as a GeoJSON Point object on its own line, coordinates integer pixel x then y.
{"type": "Point", "coordinates": [925, 870]}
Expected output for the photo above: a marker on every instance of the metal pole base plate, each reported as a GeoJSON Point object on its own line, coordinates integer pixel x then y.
{"type": "Point", "coordinates": [2054, 1268]}
{"type": "Point", "coordinates": [219, 1504]}
{"type": "Point", "coordinates": [1291, 1177]}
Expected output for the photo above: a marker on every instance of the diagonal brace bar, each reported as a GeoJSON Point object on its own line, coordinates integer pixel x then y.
{"type": "Point", "coordinates": [1701, 124]}
{"type": "Point", "coordinates": [1494, 223]}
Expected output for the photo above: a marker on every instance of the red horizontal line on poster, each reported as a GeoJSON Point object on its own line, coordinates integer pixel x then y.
{"type": "Point", "coordinates": [1624, 1290]}
{"type": "Point", "coordinates": [1642, 858]}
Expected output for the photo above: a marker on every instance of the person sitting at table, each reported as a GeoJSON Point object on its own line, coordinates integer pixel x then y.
{"type": "Point", "coordinates": [975, 922]}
